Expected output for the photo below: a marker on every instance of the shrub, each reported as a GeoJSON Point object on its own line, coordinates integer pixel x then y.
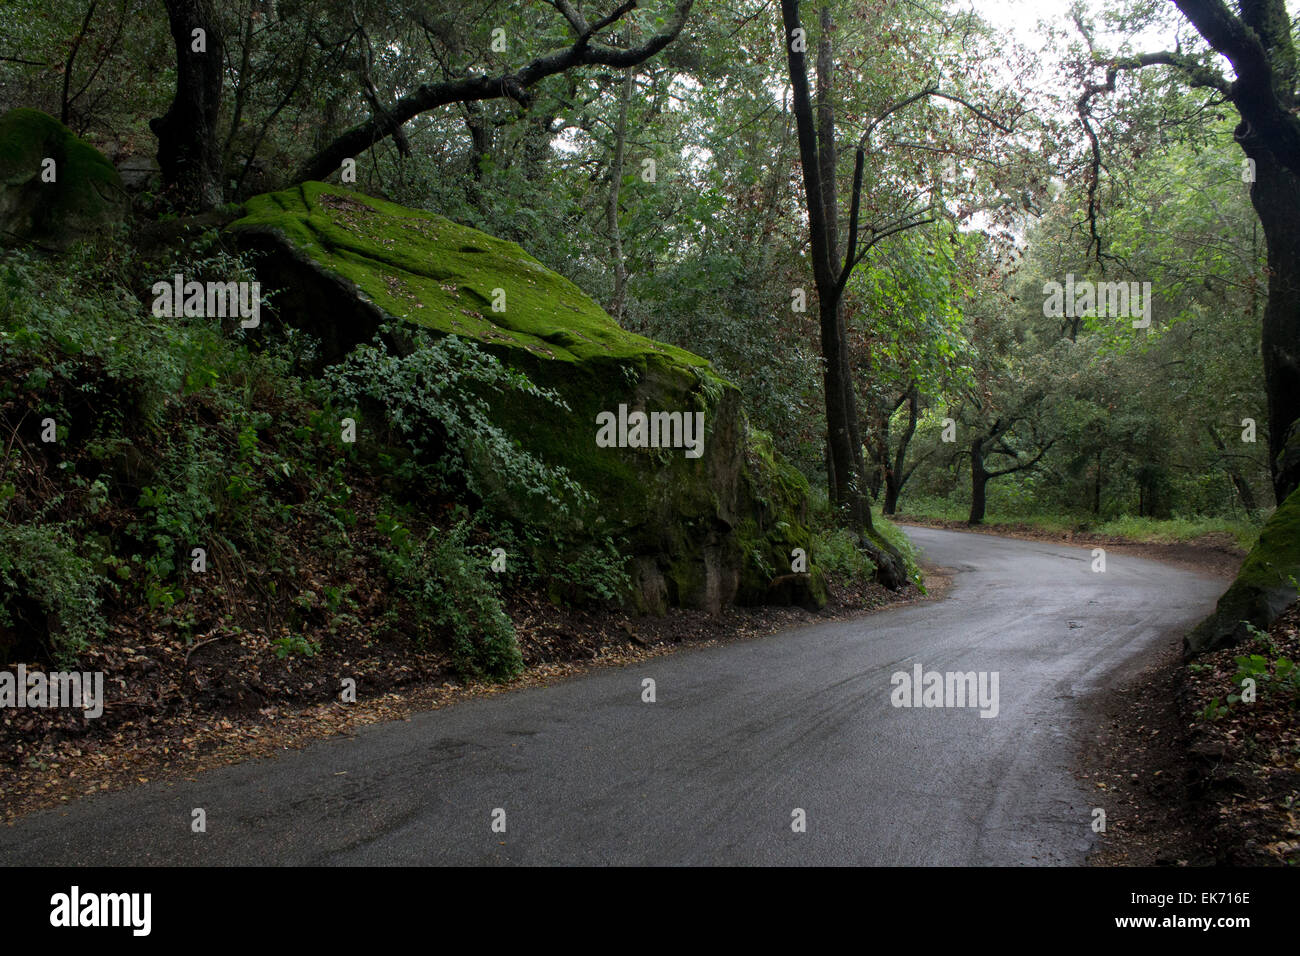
{"type": "Point", "coordinates": [46, 566]}
{"type": "Point", "coordinates": [433, 398]}
{"type": "Point", "coordinates": [444, 581]}
{"type": "Point", "coordinates": [837, 553]}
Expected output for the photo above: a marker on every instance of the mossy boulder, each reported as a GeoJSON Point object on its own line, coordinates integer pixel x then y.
{"type": "Point", "coordinates": [1265, 586]}
{"type": "Point", "coordinates": [701, 531]}
{"type": "Point", "coordinates": [85, 197]}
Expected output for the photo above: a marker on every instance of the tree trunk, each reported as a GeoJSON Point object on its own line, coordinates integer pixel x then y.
{"type": "Point", "coordinates": [853, 493]}
{"type": "Point", "coordinates": [1239, 482]}
{"type": "Point", "coordinates": [189, 156]}
{"type": "Point", "coordinates": [832, 484]}
{"type": "Point", "coordinates": [979, 479]}
{"type": "Point", "coordinates": [895, 476]}
{"type": "Point", "coordinates": [618, 301]}
{"type": "Point", "coordinates": [1096, 487]}
{"type": "Point", "coordinates": [846, 484]}
{"type": "Point", "coordinates": [1276, 197]}
{"type": "Point", "coordinates": [892, 488]}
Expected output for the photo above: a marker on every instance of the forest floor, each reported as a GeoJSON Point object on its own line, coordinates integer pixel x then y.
{"type": "Point", "coordinates": [1191, 786]}
{"type": "Point", "coordinates": [173, 710]}
{"type": "Point", "coordinates": [1196, 789]}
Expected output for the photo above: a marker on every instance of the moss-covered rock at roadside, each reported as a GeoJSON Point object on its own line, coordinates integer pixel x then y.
{"type": "Point", "coordinates": [84, 198]}
{"type": "Point", "coordinates": [1264, 587]}
{"type": "Point", "coordinates": [701, 532]}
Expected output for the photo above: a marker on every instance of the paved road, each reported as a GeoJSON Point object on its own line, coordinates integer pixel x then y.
{"type": "Point", "coordinates": [738, 738]}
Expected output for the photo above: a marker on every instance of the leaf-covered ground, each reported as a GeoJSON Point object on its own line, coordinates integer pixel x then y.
{"type": "Point", "coordinates": [1248, 756]}
{"type": "Point", "coordinates": [1183, 785]}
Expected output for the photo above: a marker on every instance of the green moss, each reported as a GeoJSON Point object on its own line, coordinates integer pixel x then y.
{"type": "Point", "coordinates": [884, 532]}
{"type": "Point", "coordinates": [1264, 587]}
{"type": "Point", "coordinates": [428, 270]}
{"type": "Point", "coordinates": [422, 268]}
{"type": "Point", "coordinates": [776, 524]}
{"type": "Point", "coordinates": [697, 520]}
{"type": "Point", "coordinates": [776, 479]}
{"type": "Point", "coordinates": [1276, 556]}
{"type": "Point", "coordinates": [87, 191]}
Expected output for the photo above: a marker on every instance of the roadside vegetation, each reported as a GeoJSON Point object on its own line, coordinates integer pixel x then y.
{"type": "Point", "coordinates": [1241, 532]}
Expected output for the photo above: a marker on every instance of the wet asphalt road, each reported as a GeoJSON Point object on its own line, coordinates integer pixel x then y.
{"type": "Point", "coordinates": [739, 737]}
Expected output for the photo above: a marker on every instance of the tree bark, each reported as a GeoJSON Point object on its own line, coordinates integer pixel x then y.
{"type": "Point", "coordinates": [1275, 195]}
{"type": "Point", "coordinates": [619, 298]}
{"type": "Point", "coordinates": [895, 476]}
{"type": "Point", "coordinates": [847, 489]}
{"type": "Point", "coordinates": [993, 442]}
{"type": "Point", "coordinates": [1096, 487]}
{"type": "Point", "coordinates": [893, 487]}
{"type": "Point", "coordinates": [979, 480]}
{"type": "Point", "coordinates": [1257, 40]}
{"type": "Point", "coordinates": [189, 155]}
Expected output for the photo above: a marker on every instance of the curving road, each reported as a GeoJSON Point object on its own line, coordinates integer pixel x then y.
{"type": "Point", "coordinates": [738, 738]}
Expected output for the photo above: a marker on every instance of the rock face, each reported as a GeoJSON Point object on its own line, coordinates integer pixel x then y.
{"type": "Point", "coordinates": [703, 531]}
{"type": "Point", "coordinates": [1264, 588]}
{"type": "Point", "coordinates": [85, 197]}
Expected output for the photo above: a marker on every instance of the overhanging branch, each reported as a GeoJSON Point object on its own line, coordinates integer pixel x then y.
{"type": "Point", "coordinates": [431, 96]}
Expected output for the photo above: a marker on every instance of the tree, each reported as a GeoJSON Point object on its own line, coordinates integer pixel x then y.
{"type": "Point", "coordinates": [584, 51]}
{"type": "Point", "coordinates": [1258, 44]}
{"type": "Point", "coordinates": [817, 154]}
{"type": "Point", "coordinates": [915, 346]}
{"type": "Point", "coordinates": [189, 151]}
{"type": "Point", "coordinates": [893, 467]}
{"type": "Point", "coordinates": [996, 440]}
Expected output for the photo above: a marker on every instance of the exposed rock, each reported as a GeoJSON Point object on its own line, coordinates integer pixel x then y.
{"type": "Point", "coordinates": [84, 198]}
{"type": "Point", "coordinates": [1264, 588]}
{"type": "Point", "coordinates": [137, 172]}
{"type": "Point", "coordinates": [702, 531]}
{"type": "Point", "coordinates": [807, 589]}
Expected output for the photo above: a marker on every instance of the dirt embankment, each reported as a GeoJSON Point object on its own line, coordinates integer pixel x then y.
{"type": "Point", "coordinates": [1191, 779]}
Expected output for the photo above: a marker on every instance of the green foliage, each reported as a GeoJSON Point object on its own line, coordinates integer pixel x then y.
{"type": "Point", "coordinates": [434, 400]}
{"type": "Point", "coordinates": [1214, 710]}
{"type": "Point", "coordinates": [1244, 533]}
{"type": "Point", "coordinates": [1273, 673]}
{"type": "Point", "coordinates": [291, 645]}
{"type": "Point", "coordinates": [58, 578]}
{"type": "Point", "coordinates": [590, 571]}
{"type": "Point", "coordinates": [445, 582]}
{"type": "Point", "coordinates": [1005, 510]}
{"type": "Point", "coordinates": [836, 551]}
{"type": "Point", "coordinates": [901, 543]}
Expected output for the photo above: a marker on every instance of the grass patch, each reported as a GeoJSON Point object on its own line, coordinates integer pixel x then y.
{"type": "Point", "coordinates": [1138, 530]}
